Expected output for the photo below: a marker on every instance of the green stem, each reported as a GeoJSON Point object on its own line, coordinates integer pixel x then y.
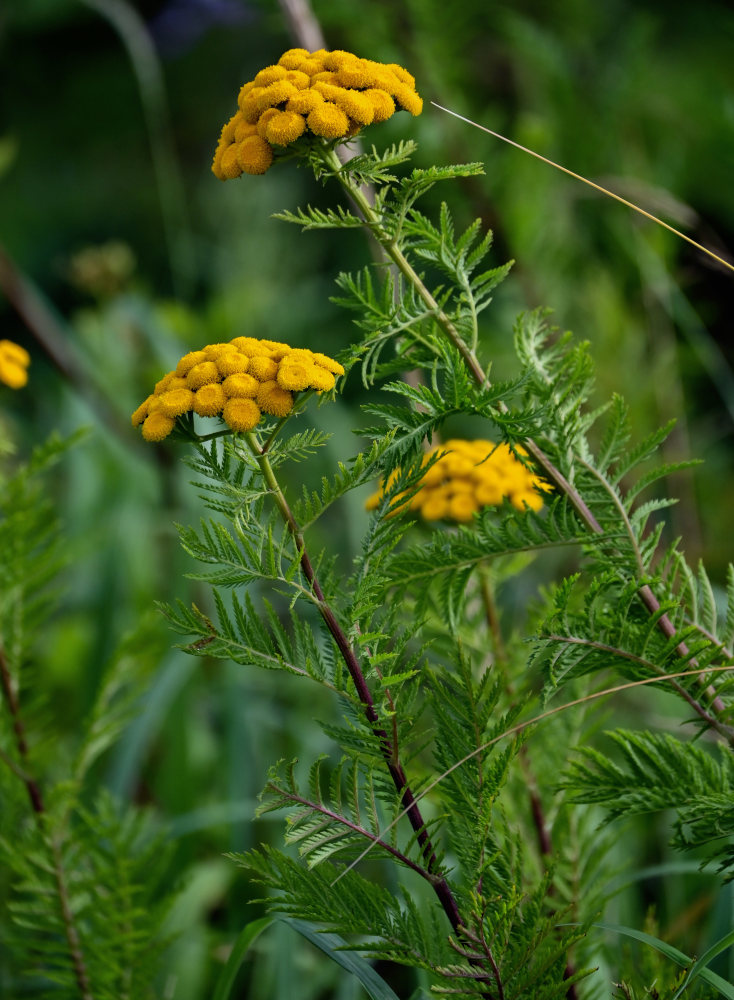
{"type": "Point", "coordinates": [388, 750]}
{"type": "Point", "coordinates": [550, 472]}
{"type": "Point", "coordinates": [395, 254]}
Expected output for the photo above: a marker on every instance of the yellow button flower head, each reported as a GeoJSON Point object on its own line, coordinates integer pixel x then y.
{"type": "Point", "coordinates": [331, 95]}
{"type": "Point", "coordinates": [469, 476]}
{"type": "Point", "coordinates": [14, 361]}
{"type": "Point", "coordinates": [238, 382]}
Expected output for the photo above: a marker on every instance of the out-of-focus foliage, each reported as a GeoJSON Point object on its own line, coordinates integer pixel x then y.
{"type": "Point", "coordinates": [108, 210]}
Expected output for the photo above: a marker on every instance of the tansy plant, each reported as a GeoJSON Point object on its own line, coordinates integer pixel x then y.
{"type": "Point", "coordinates": [449, 765]}
{"type": "Point", "coordinates": [488, 816]}
{"type": "Point", "coordinates": [512, 576]}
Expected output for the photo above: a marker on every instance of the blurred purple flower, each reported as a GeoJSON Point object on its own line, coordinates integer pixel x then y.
{"type": "Point", "coordinates": [182, 22]}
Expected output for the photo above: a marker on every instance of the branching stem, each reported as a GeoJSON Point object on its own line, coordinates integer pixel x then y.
{"type": "Point", "coordinates": [355, 828]}
{"type": "Point", "coordinates": [550, 472]}
{"type": "Point", "coordinates": [439, 883]}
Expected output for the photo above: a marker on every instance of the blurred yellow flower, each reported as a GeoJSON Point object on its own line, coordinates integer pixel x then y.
{"type": "Point", "coordinates": [328, 94]}
{"type": "Point", "coordinates": [239, 382]}
{"type": "Point", "coordinates": [14, 361]}
{"type": "Point", "coordinates": [467, 476]}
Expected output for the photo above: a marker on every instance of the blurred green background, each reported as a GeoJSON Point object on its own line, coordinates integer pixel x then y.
{"type": "Point", "coordinates": [120, 251]}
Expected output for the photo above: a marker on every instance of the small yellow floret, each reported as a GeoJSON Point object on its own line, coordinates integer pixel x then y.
{"type": "Point", "coordinates": [276, 93]}
{"type": "Point", "coordinates": [276, 349]}
{"type": "Point", "coordinates": [244, 129]}
{"type": "Point", "coordinates": [298, 79]}
{"type": "Point", "coordinates": [228, 130]}
{"type": "Point", "coordinates": [296, 375]}
{"type": "Point", "coordinates": [213, 351]}
{"type": "Point", "coordinates": [141, 413]}
{"type": "Point", "coordinates": [328, 121]}
{"type": "Point", "coordinates": [269, 75]}
{"type": "Point", "coordinates": [229, 165]}
{"type": "Point", "coordinates": [254, 155]}
{"type": "Point", "coordinates": [12, 374]}
{"type": "Point", "coordinates": [174, 402]}
{"type": "Point", "coordinates": [250, 104]}
{"type": "Point", "coordinates": [324, 361]}
{"type": "Point", "coordinates": [435, 508]}
{"type": "Point", "coordinates": [209, 400]}
{"type": "Point", "coordinates": [241, 414]}
{"type": "Point", "coordinates": [273, 399]}
{"type": "Point", "coordinates": [293, 58]}
{"type": "Point", "coordinates": [11, 351]}
{"type": "Point", "coordinates": [489, 494]}
{"type": "Point", "coordinates": [241, 385]}
{"type": "Point", "coordinates": [462, 507]}
{"type": "Point", "coordinates": [304, 102]}
{"type": "Point", "coordinates": [263, 368]}
{"type": "Point", "coordinates": [402, 74]}
{"type": "Point", "coordinates": [217, 163]}
{"type": "Point", "coordinates": [352, 102]}
{"type": "Point", "coordinates": [285, 128]}
{"type": "Point", "coordinates": [360, 74]}
{"type": "Point", "coordinates": [337, 58]}
{"type": "Point", "coordinates": [311, 67]}
{"type": "Point", "coordinates": [383, 106]}
{"type": "Point", "coordinates": [157, 426]}
{"type": "Point", "coordinates": [529, 497]}
{"type": "Point", "coordinates": [264, 120]}
{"type": "Point", "coordinates": [231, 363]}
{"type": "Point", "coordinates": [188, 361]}
{"type": "Point", "coordinates": [202, 374]}
{"type": "Point", "coordinates": [325, 76]}
{"type": "Point", "coordinates": [248, 345]}
{"type": "Point", "coordinates": [322, 380]}
{"type": "Point", "coordinates": [408, 99]}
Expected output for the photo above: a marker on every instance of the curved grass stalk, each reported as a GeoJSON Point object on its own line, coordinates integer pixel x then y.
{"type": "Point", "coordinates": [136, 39]}
{"type": "Point", "coordinates": [592, 184]}
{"type": "Point", "coordinates": [521, 726]}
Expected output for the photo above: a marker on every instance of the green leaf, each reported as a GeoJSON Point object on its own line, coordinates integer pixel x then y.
{"type": "Point", "coordinates": [699, 966]}
{"type": "Point", "coordinates": [331, 945]}
{"type": "Point", "coordinates": [710, 978]}
{"type": "Point", "coordinates": [242, 945]}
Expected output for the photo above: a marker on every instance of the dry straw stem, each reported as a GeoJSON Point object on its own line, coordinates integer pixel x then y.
{"type": "Point", "coordinates": [524, 725]}
{"type": "Point", "coordinates": [592, 184]}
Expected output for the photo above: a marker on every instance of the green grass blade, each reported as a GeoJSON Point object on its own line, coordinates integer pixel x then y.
{"type": "Point", "coordinates": [698, 967]}
{"type": "Point", "coordinates": [348, 960]}
{"type": "Point", "coordinates": [242, 945]}
{"type": "Point", "coordinates": [710, 978]}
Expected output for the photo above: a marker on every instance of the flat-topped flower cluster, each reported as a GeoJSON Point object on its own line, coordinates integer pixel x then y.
{"type": "Point", "coordinates": [329, 94]}
{"type": "Point", "coordinates": [14, 361]}
{"type": "Point", "coordinates": [238, 381]}
{"type": "Point", "coordinates": [469, 476]}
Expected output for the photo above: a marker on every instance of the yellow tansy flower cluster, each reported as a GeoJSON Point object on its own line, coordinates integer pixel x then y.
{"type": "Point", "coordinates": [14, 361]}
{"type": "Point", "coordinates": [329, 94]}
{"type": "Point", "coordinates": [471, 475]}
{"type": "Point", "coordinates": [238, 381]}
